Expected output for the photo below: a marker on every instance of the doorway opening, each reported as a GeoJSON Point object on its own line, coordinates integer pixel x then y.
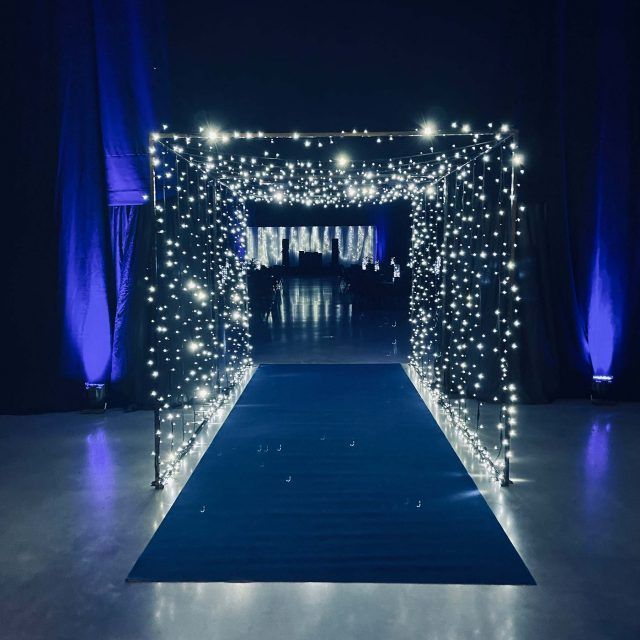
{"type": "Point", "coordinates": [329, 286]}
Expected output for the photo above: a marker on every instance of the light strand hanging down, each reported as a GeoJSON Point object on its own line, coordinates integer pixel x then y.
{"type": "Point", "coordinates": [201, 350]}
{"type": "Point", "coordinates": [462, 188]}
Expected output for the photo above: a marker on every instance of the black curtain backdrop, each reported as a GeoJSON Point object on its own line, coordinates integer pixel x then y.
{"type": "Point", "coordinates": [30, 319]}
{"type": "Point", "coordinates": [566, 74]}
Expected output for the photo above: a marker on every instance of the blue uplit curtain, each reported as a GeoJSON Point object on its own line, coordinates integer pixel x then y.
{"type": "Point", "coordinates": [84, 235]}
{"type": "Point", "coordinates": [110, 50]}
{"type": "Point", "coordinates": [597, 107]}
{"type": "Point", "coordinates": [124, 56]}
{"type": "Point", "coordinates": [608, 282]}
{"type": "Point", "coordinates": [129, 247]}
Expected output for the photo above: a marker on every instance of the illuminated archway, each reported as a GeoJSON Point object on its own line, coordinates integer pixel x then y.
{"type": "Point", "coordinates": [462, 186]}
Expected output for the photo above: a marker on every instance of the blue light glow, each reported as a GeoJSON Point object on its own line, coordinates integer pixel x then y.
{"type": "Point", "coordinates": [601, 330]}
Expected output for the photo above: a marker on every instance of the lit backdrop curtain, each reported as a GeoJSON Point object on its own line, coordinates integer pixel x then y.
{"type": "Point", "coordinates": [356, 243]}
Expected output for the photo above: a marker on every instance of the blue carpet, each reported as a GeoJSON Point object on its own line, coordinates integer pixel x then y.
{"type": "Point", "coordinates": [331, 473]}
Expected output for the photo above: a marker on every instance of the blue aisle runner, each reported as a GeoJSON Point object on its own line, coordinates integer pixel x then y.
{"type": "Point", "coordinates": [332, 473]}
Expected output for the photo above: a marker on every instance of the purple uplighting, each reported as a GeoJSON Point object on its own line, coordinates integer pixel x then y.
{"type": "Point", "coordinates": [596, 466]}
{"type": "Point", "coordinates": [597, 452]}
{"type": "Point", "coordinates": [95, 343]}
{"type": "Point", "coordinates": [100, 467]}
{"type": "Point", "coordinates": [601, 330]}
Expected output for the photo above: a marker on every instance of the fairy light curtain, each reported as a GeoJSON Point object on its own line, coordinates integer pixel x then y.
{"type": "Point", "coordinates": [462, 187]}
{"type": "Point", "coordinates": [199, 351]}
{"type": "Point", "coordinates": [465, 299]}
{"type": "Point", "coordinates": [356, 243]}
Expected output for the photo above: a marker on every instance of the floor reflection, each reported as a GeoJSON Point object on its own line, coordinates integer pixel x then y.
{"type": "Point", "coordinates": [313, 320]}
{"type": "Point", "coordinates": [597, 452]}
{"type": "Point", "coordinates": [100, 476]}
{"type": "Point", "coordinates": [596, 462]}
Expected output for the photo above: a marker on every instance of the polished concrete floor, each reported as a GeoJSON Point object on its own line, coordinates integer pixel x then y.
{"type": "Point", "coordinates": [312, 321]}
{"type": "Point", "coordinates": [77, 510]}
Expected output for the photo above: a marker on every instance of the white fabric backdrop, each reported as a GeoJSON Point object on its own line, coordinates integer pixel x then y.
{"type": "Point", "coordinates": [264, 244]}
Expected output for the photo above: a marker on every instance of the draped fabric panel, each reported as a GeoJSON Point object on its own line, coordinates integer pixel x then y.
{"type": "Point", "coordinates": [607, 305]}
{"type": "Point", "coordinates": [84, 234]}
{"type": "Point", "coordinates": [110, 50]}
{"type": "Point", "coordinates": [125, 52]}
{"type": "Point", "coordinates": [578, 258]}
{"type": "Point", "coordinates": [131, 237]}
{"type": "Point", "coordinates": [597, 54]}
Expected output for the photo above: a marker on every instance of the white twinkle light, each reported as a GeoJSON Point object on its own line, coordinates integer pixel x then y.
{"type": "Point", "coordinates": [428, 129]}
{"type": "Point", "coordinates": [342, 160]}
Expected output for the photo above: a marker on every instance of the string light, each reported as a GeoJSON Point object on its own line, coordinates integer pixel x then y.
{"type": "Point", "coordinates": [463, 304]}
{"type": "Point", "coordinates": [342, 160]}
{"type": "Point", "coordinates": [201, 350]}
{"type": "Point", "coordinates": [428, 129]}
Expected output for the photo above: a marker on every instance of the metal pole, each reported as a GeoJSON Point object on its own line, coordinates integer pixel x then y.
{"type": "Point", "coordinates": [506, 480]}
{"type": "Point", "coordinates": [157, 482]}
{"type": "Point", "coordinates": [292, 135]}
